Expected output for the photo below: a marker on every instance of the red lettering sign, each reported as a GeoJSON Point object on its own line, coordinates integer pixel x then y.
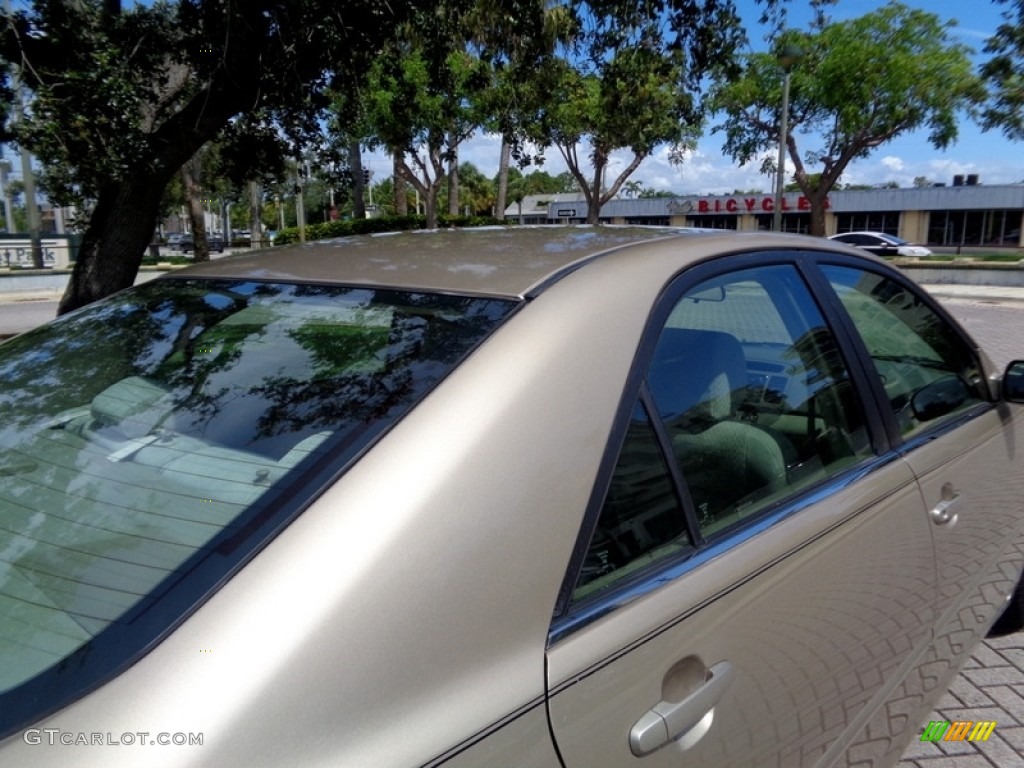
{"type": "Point", "coordinates": [752, 204]}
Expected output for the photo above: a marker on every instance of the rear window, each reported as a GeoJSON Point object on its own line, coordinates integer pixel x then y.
{"type": "Point", "coordinates": [152, 442]}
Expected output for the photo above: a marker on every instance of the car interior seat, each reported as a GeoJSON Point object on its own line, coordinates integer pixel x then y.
{"type": "Point", "coordinates": [698, 380]}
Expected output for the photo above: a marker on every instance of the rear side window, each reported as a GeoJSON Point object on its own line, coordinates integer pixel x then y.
{"type": "Point", "coordinates": [753, 403]}
{"type": "Point", "coordinates": [147, 443]}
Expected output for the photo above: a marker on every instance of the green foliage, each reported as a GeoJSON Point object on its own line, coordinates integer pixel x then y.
{"type": "Point", "coordinates": [859, 84]}
{"type": "Point", "coordinates": [629, 78]}
{"type": "Point", "coordinates": [99, 84]}
{"type": "Point", "coordinates": [1004, 73]}
{"type": "Point", "coordinates": [651, 193]}
{"type": "Point", "coordinates": [347, 227]}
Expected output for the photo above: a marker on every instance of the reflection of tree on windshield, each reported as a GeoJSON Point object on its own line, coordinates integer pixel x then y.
{"type": "Point", "coordinates": [245, 365]}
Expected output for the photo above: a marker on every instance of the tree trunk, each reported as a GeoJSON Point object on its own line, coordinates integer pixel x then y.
{"type": "Point", "coordinates": [196, 213]}
{"type": "Point", "coordinates": [256, 214]}
{"type": "Point", "coordinates": [430, 208]}
{"type": "Point", "coordinates": [817, 199]}
{"type": "Point", "coordinates": [597, 191]}
{"type": "Point", "coordinates": [500, 205]}
{"type": "Point", "coordinates": [401, 200]}
{"type": "Point", "coordinates": [355, 164]}
{"type": "Point", "coordinates": [453, 182]}
{"type": "Point", "coordinates": [120, 227]}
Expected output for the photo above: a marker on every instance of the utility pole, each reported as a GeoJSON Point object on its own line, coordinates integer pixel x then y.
{"type": "Point", "coordinates": [300, 204]}
{"type": "Point", "coordinates": [28, 178]}
{"type": "Point", "coordinates": [5, 168]}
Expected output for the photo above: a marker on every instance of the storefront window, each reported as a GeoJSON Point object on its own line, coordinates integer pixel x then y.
{"type": "Point", "coordinates": [713, 222]}
{"type": "Point", "coordinates": [795, 223]}
{"type": "Point", "coordinates": [993, 228]}
{"type": "Point", "coordinates": [868, 221]}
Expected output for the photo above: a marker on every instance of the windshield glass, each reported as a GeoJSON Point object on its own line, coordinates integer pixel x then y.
{"type": "Point", "coordinates": [175, 421]}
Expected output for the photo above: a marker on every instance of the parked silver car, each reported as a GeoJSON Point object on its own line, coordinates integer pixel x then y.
{"type": "Point", "coordinates": [527, 496]}
{"type": "Point", "coordinates": [882, 244]}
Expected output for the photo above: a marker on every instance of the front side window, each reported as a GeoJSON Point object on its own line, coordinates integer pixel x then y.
{"type": "Point", "coordinates": [155, 434]}
{"type": "Point", "coordinates": [929, 373]}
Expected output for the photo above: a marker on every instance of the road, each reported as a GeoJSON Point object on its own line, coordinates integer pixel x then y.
{"type": "Point", "coordinates": [21, 316]}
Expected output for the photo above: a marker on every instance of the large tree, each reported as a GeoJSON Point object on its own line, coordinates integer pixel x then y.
{"type": "Point", "coordinates": [122, 98]}
{"type": "Point", "coordinates": [422, 102]}
{"type": "Point", "coordinates": [629, 79]}
{"type": "Point", "coordinates": [856, 85]}
{"type": "Point", "coordinates": [1004, 73]}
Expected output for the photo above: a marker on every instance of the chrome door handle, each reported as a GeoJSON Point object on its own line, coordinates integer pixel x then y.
{"type": "Point", "coordinates": [668, 720]}
{"type": "Point", "coordinates": [944, 513]}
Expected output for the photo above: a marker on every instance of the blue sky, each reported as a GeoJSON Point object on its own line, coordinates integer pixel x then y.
{"type": "Point", "coordinates": [995, 159]}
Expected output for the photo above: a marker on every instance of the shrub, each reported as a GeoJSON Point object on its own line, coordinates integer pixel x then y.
{"type": "Point", "coordinates": [342, 228]}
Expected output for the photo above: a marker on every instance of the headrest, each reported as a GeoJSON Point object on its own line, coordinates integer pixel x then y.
{"type": "Point", "coordinates": [697, 373]}
{"type": "Point", "coordinates": [134, 404]}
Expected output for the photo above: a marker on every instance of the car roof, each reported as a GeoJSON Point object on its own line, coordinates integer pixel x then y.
{"type": "Point", "coordinates": [507, 261]}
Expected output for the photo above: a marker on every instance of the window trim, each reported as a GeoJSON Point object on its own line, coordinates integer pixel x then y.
{"type": "Point", "coordinates": [568, 617]}
{"type": "Point", "coordinates": [656, 575]}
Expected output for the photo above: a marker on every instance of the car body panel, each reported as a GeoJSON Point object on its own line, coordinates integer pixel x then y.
{"type": "Point", "coordinates": [405, 617]}
{"type": "Point", "coordinates": [503, 262]}
{"type": "Point", "coordinates": [975, 469]}
{"type": "Point", "coordinates": [346, 640]}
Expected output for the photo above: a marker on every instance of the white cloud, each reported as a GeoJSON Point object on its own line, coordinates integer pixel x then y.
{"type": "Point", "coordinates": [706, 170]}
{"type": "Point", "coordinates": [893, 163]}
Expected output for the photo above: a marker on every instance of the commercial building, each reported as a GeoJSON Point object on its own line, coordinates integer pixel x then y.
{"type": "Point", "coordinates": [966, 213]}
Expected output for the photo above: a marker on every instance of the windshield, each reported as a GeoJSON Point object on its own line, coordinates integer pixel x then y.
{"type": "Point", "coordinates": [151, 442]}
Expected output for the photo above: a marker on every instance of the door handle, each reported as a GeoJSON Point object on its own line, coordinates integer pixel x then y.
{"type": "Point", "coordinates": [944, 513]}
{"type": "Point", "coordinates": [669, 720]}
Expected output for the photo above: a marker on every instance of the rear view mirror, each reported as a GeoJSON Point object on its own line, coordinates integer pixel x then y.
{"type": "Point", "coordinates": [1013, 382]}
{"type": "Point", "coordinates": [715, 293]}
{"type": "Point", "coordinates": [940, 397]}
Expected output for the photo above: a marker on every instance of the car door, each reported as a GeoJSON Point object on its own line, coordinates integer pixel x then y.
{"type": "Point", "coordinates": [962, 447]}
{"type": "Point", "coordinates": [757, 574]}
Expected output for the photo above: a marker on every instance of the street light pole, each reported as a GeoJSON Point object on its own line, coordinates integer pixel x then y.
{"type": "Point", "coordinates": [789, 56]}
{"type": "Point", "coordinates": [28, 178]}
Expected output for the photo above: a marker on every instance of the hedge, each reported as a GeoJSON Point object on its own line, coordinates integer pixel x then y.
{"type": "Point", "coordinates": [342, 228]}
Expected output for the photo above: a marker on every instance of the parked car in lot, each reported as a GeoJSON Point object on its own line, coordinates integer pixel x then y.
{"type": "Point", "coordinates": [882, 244]}
{"type": "Point", "coordinates": [527, 496]}
{"type": "Point", "coordinates": [214, 242]}
{"type": "Point", "coordinates": [174, 241]}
